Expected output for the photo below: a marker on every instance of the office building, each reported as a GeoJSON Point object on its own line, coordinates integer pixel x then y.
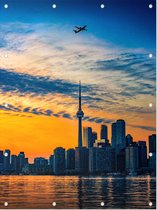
{"type": "Point", "coordinates": [59, 161]}
{"type": "Point", "coordinates": [95, 137]}
{"type": "Point", "coordinates": [129, 140]}
{"type": "Point", "coordinates": [21, 161]}
{"type": "Point", "coordinates": [113, 134]}
{"type": "Point", "coordinates": [87, 137]}
{"type": "Point", "coordinates": [101, 159]}
{"type": "Point", "coordinates": [104, 132]}
{"type": "Point", "coordinates": [120, 133]}
{"type": "Point", "coordinates": [7, 161]}
{"type": "Point", "coordinates": [152, 143]}
{"type": "Point", "coordinates": [142, 148]}
{"type": "Point", "coordinates": [51, 162]}
{"type": "Point", "coordinates": [14, 164]}
{"type": "Point", "coordinates": [1, 161]}
{"type": "Point", "coordinates": [132, 158]}
{"type": "Point", "coordinates": [40, 166]}
{"type": "Point", "coordinates": [81, 160]}
{"type": "Point", "coordinates": [70, 159]}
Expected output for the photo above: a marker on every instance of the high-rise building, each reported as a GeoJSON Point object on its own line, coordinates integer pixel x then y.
{"type": "Point", "coordinates": [120, 133]}
{"type": "Point", "coordinates": [142, 148]}
{"type": "Point", "coordinates": [81, 160]}
{"type": "Point", "coordinates": [7, 161]}
{"type": "Point", "coordinates": [14, 164]}
{"type": "Point", "coordinates": [40, 166]}
{"type": "Point", "coordinates": [80, 115]}
{"type": "Point", "coordinates": [101, 160]}
{"type": "Point", "coordinates": [132, 158]}
{"type": "Point", "coordinates": [152, 151]}
{"type": "Point", "coordinates": [95, 136]}
{"type": "Point", "coordinates": [1, 161]}
{"type": "Point", "coordinates": [152, 143]}
{"type": "Point", "coordinates": [70, 159]}
{"type": "Point", "coordinates": [113, 137]}
{"type": "Point", "coordinates": [129, 140]}
{"type": "Point", "coordinates": [59, 161]}
{"type": "Point", "coordinates": [51, 162]}
{"type": "Point", "coordinates": [21, 161]}
{"type": "Point", "coordinates": [87, 137]}
{"type": "Point", "coordinates": [104, 132]}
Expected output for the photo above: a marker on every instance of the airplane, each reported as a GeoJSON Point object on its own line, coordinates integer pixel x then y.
{"type": "Point", "coordinates": [79, 29]}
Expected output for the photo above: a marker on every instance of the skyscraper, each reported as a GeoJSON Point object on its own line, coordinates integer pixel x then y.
{"type": "Point", "coordinates": [152, 143]}
{"type": "Point", "coordinates": [132, 158]}
{"type": "Point", "coordinates": [21, 161]}
{"type": "Point", "coordinates": [14, 165]}
{"type": "Point", "coordinates": [113, 137]}
{"type": "Point", "coordinates": [59, 161]}
{"type": "Point", "coordinates": [95, 136]}
{"type": "Point", "coordinates": [87, 137]}
{"type": "Point", "coordinates": [101, 159]}
{"type": "Point", "coordinates": [1, 160]}
{"type": "Point", "coordinates": [103, 132]}
{"type": "Point", "coordinates": [120, 133]}
{"type": "Point", "coordinates": [142, 148]}
{"type": "Point", "coordinates": [152, 150]}
{"type": "Point", "coordinates": [80, 115]}
{"type": "Point", "coordinates": [7, 160]}
{"type": "Point", "coordinates": [70, 159]}
{"type": "Point", "coordinates": [129, 140]}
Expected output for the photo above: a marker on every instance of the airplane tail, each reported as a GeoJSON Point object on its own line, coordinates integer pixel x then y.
{"type": "Point", "coordinates": [75, 31]}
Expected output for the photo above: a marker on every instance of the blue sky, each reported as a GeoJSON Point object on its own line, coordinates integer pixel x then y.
{"type": "Point", "coordinates": [46, 59]}
{"type": "Point", "coordinates": [124, 23]}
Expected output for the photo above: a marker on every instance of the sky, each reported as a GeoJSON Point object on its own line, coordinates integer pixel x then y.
{"type": "Point", "coordinates": [42, 60]}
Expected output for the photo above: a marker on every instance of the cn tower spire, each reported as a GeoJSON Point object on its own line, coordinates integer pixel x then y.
{"type": "Point", "coordinates": [79, 95]}
{"type": "Point", "coordinates": [80, 115]}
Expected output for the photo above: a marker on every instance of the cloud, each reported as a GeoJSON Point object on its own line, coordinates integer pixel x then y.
{"type": "Point", "coordinates": [148, 128]}
{"type": "Point", "coordinates": [45, 60]}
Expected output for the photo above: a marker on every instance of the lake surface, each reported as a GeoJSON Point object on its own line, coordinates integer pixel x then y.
{"type": "Point", "coordinates": [77, 192]}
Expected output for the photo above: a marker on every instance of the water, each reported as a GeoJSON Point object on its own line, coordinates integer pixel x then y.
{"type": "Point", "coordinates": [77, 192]}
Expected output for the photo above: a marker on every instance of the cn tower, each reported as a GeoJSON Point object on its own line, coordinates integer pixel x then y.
{"type": "Point", "coordinates": [80, 115]}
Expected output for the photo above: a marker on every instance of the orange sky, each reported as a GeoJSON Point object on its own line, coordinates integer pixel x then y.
{"type": "Point", "coordinates": [39, 135]}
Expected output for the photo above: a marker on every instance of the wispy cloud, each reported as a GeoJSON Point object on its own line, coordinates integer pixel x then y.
{"type": "Point", "coordinates": [45, 60]}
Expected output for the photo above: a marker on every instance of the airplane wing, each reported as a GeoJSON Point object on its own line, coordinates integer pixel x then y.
{"type": "Point", "coordinates": [84, 26]}
{"type": "Point", "coordinates": [77, 27]}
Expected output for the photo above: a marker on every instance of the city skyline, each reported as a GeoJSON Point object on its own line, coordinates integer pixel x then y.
{"type": "Point", "coordinates": [42, 60]}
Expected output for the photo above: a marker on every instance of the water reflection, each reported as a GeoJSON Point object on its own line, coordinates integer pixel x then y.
{"type": "Point", "coordinates": [77, 192]}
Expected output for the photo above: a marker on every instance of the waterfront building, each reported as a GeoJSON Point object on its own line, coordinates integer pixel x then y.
{"type": "Point", "coordinates": [142, 149]}
{"type": "Point", "coordinates": [129, 140]}
{"type": "Point", "coordinates": [104, 132]}
{"type": "Point", "coordinates": [101, 159]}
{"type": "Point", "coordinates": [113, 134]}
{"type": "Point", "coordinates": [81, 160]}
{"type": "Point", "coordinates": [14, 164]}
{"type": "Point", "coordinates": [1, 161]}
{"type": "Point", "coordinates": [7, 161]}
{"type": "Point", "coordinates": [70, 159]}
{"type": "Point", "coordinates": [87, 137]}
{"type": "Point", "coordinates": [40, 166]}
{"type": "Point", "coordinates": [132, 158]}
{"type": "Point", "coordinates": [21, 161]}
{"type": "Point", "coordinates": [59, 161]}
{"type": "Point", "coordinates": [152, 143]}
{"type": "Point", "coordinates": [51, 162]}
{"type": "Point", "coordinates": [95, 137]}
